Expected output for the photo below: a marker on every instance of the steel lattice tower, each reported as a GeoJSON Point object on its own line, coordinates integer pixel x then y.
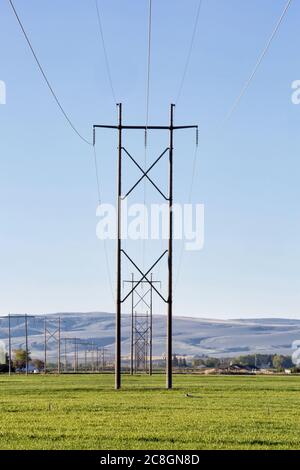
{"type": "Point", "coordinates": [141, 325]}
{"type": "Point", "coordinates": [141, 341]}
{"type": "Point", "coordinates": [121, 128]}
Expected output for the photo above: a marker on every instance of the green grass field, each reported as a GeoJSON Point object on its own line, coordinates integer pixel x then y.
{"type": "Point", "coordinates": [84, 412]}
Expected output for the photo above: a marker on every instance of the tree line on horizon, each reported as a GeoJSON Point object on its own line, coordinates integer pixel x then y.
{"type": "Point", "coordinates": [278, 362]}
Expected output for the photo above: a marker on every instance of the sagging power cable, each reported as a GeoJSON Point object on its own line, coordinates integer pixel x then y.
{"type": "Point", "coordinates": [45, 76]}
{"type": "Point", "coordinates": [99, 203]}
{"type": "Point", "coordinates": [190, 194]}
{"type": "Point", "coordinates": [107, 62]}
{"type": "Point", "coordinates": [149, 43]}
{"type": "Point", "coordinates": [187, 62]}
{"type": "Point", "coordinates": [259, 61]}
{"type": "Point", "coordinates": [97, 173]}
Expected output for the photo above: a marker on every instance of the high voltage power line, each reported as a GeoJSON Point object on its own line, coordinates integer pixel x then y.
{"type": "Point", "coordinates": [178, 96]}
{"type": "Point", "coordinates": [259, 61]}
{"type": "Point", "coordinates": [45, 77]}
{"type": "Point", "coordinates": [189, 53]}
{"type": "Point", "coordinates": [67, 117]}
{"type": "Point", "coordinates": [107, 63]}
{"type": "Point", "coordinates": [149, 44]}
{"type": "Point", "coordinates": [113, 94]}
{"type": "Point", "coordinates": [109, 74]}
{"type": "Point", "coordinates": [98, 177]}
{"type": "Point", "coordinates": [236, 102]}
{"type": "Point", "coordinates": [194, 165]}
{"type": "Point", "coordinates": [104, 241]}
{"type": "Point", "coordinates": [148, 61]}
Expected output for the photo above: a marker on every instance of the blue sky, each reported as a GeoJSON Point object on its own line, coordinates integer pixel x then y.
{"type": "Point", "coordinates": [248, 168]}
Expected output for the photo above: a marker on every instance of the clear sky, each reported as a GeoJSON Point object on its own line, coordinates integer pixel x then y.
{"type": "Point", "coordinates": [248, 168]}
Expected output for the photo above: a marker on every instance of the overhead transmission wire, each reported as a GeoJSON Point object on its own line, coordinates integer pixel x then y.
{"type": "Point", "coordinates": [99, 203]}
{"type": "Point", "coordinates": [189, 54]}
{"type": "Point", "coordinates": [148, 66]}
{"type": "Point", "coordinates": [97, 173]}
{"type": "Point", "coordinates": [64, 112]}
{"type": "Point", "coordinates": [113, 94]}
{"type": "Point", "coordinates": [66, 116]}
{"type": "Point", "coordinates": [178, 96]}
{"type": "Point", "coordinates": [148, 77]}
{"type": "Point", "coordinates": [107, 63]}
{"type": "Point", "coordinates": [194, 166]}
{"type": "Point", "coordinates": [259, 61]}
{"type": "Point", "coordinates": [242, 92]}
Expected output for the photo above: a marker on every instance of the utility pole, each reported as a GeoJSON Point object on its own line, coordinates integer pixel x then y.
{"type": "Point", "coordinates": [151, 327]}
{"type": "Point", "coordinates": [103, 358]}
{"type": "Point", "coordinates": [97, 363]}
{"type": "Point", "coordinates": [146, 344]}
{"type": "Point", "coordinates": [75, 346]}
{"type": "Point", "coordinates": [10, 317]}
{"type": "Point", "coordinates": [170, 259]}
{"type": "Point", "coordinates": [26, 342]}
{"type": "Point", "coordinates": [93, 357]}
{"type": "Point", "coordinates": [119, 247]}
{"type": "Point", "coordinates": [58, 349]}
{"type": "Point", "coordinates": [77, 353]}
{"type": "Point", "coordinates": [45, 345]}
{"type": "Point", "coordinates": [144, 275]}
{"type": "Point", "coordinates": [9, 345]}
{"type": "Point", "coordinates": [132, 313]}
{"type": "Point", "coordinates": [66, 363]}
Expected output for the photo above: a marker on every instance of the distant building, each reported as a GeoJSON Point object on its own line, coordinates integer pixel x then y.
{"type": "Point", "coordinates": [234, 369]}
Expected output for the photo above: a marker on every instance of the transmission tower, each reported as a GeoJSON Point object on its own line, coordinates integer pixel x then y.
{"type": "Point", "coordinates": [141, 325]}
{"type": "Point", "coordinates": [141, 338]}
{"type": "Point", "coordinates": [52, 332]}
{"type": "Point", "coordinates": [10, 318]}
{"type": "Point", "coordinates": [120, 251]}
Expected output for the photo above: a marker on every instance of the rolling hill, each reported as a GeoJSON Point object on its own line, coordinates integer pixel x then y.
{"type": "Point", "coordinates": [191, 336]}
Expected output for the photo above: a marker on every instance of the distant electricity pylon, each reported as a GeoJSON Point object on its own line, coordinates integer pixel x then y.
{"type": "Point", "coordinates": [144, 275]}
{"type": "Point", "coordinates": [25, 317]}
{"type": "Point", "coordinates": [141, 357]}
{"type": "Point", "coordinates": [141, 335]}
{"type": "Point", "coordinates": [52, 331]}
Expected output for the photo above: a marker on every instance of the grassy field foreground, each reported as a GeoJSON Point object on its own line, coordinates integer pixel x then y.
{"type": "Point", "coordinates": [84, 412]}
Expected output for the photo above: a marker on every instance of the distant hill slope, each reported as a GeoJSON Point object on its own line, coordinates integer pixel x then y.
{"type": "Point", "coordinates": [192, 336]}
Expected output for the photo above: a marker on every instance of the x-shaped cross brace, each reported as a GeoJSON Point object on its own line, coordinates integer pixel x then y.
{"type": "Point", "coordinates": [142, 298]}
{"type": "Point", "coordinates": [51, 335]}
{"type": "Point", "coordinates": [145, 174]}
{"type": "Point", "coordinates": [144, 276]}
